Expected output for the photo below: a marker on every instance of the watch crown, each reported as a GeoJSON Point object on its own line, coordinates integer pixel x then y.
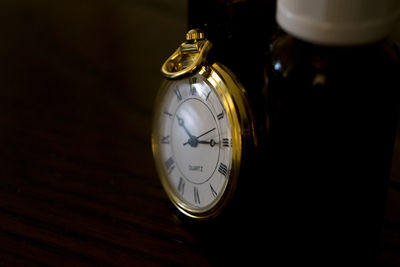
{"type": "Point", "coordinates": [194, 34]}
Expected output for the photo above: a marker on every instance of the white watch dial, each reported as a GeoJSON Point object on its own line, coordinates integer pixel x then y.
{"type": "Point", "coordinates": [195, 142]}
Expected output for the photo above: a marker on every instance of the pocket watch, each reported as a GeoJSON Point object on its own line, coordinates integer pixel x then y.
{"type": "Point", "coordinates": [202, 131]}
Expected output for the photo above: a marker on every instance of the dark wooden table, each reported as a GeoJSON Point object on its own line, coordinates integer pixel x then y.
{"type": "Point", "coordinates": [77, 182]}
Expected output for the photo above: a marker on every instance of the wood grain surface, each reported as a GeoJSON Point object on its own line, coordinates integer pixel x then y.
{"type": "Point", "coordinates": [77, 181]}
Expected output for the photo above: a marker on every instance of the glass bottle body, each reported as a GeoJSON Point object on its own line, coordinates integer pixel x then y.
{"type": "Point", "coordinates": [331, 120]}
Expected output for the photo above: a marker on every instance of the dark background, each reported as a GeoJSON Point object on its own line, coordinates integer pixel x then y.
{"type": "Point", "coordinates": [77, 180]}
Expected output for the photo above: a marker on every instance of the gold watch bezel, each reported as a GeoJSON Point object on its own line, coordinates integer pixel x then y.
{"type": "Point", "coordinates": [235, 101]}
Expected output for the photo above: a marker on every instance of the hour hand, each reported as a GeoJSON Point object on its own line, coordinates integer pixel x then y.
{"type": "Point", "coordinates": [212, 142]}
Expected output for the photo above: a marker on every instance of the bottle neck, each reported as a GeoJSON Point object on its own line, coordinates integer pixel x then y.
{"type": "Point", "coordinates": [224, 20]}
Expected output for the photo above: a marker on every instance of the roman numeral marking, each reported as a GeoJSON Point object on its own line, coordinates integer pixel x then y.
{"type": "Point", "coordinates": [208, 95]}
{"type": "Point", "coordinates": [178, 93]}
{"type": "Point", "coordinates": [169, 164]}
{"type": "Point", "coordinates": [213, 192]}
{"type": "Point", "coordinates": [192, 81]}
{"type": "Point", "coordinates": [181, 186]}
{"type": "Point", "coordinates": [196, 195]}
{"type": "Point", "coordinates": [220, 115]}
{"type": "Point", "coordinates": [226, 142]}
{"type": "Point", "coordinates": [165, 139]}
{"type": "Point", "coordinates": [223, 169]}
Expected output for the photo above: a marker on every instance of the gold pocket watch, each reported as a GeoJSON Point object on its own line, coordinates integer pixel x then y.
{"type": "Point", "coordinates": [202, 130]}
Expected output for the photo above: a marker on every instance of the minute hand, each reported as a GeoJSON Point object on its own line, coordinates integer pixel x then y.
{"type": "Point", "coordinates": [205, 133]}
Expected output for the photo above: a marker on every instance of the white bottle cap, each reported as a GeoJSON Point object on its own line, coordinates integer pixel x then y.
{"type": "Point", "coordinates": [338, 22]}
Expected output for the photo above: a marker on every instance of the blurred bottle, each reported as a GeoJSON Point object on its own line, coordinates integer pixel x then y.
{"type": "Point", "coordinates": [332, 93]}
{"type": "Point", "coordinates": [240, 31]}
